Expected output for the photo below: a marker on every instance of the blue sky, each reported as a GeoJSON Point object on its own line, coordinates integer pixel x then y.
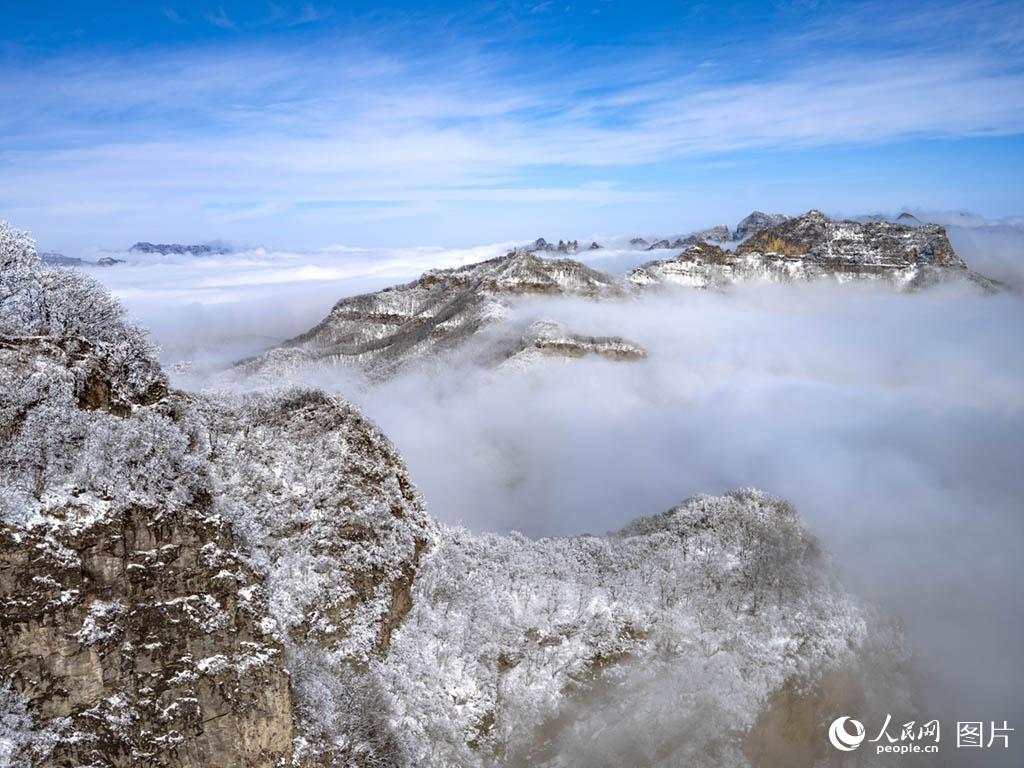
{"type": "Point", "coordinates": [305, 124]}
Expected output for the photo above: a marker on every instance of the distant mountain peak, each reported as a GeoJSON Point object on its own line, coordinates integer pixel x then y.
{"type": "Point", "coordinates": [755, 222]}
{"type": "Point", "coordinates": [178, 249]}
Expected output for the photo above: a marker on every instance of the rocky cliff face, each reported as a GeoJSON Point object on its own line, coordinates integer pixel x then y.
{"type": "Point", "coordinates": [814, 247]}
{"type": "Point", "coordinates": [380, 332]}
{"type": "Point", "coordinates": [133, 628]}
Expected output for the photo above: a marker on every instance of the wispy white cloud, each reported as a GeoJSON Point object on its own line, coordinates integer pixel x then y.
{"type": "Point", "coordinates": [172, 15]}
{"type": "Point", "coordinates": [219, 18]}
{"type": "Point", "coordinates": [308, 14]}
{"type": "Point", "coordinates": [385, 119]}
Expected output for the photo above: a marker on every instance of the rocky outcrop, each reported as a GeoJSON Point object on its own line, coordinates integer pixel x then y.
{"type": "Point", "coordinates": [755, 222]}
{"type": "Point", "coordinates": [443, 310]}
{"type": "Point", "coordinates": [718, 234]}
{"type": "Point", "coordinates": [540, 245]}
{"type": "Point", "coordinates": [133, 629]}
{"type": "Point", "coordinates": [543, 340]}
{"type": "Point", "coordinates": [814, 247]}
{"type": "Point", "coordinates": [852, 244]}
{"type": "Point", "coordinates": [327, 511]}
{"type": "Point", "coordinates": [701, 265]}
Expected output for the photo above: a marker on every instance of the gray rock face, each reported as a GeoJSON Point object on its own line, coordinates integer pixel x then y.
{"type": "Point", "coordinates": [177, 249]}
{"type": "Point", "coordinates": [755, 222]}
{"type": "Point", "coordinates": [812, 247]}
{"type": "Point", "coordinates": [380, 332]}
{"type": "Point", "coordinates": [131, 624]}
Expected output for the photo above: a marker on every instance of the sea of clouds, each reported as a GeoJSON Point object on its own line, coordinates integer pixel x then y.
{"type": "Point", "coordinates": [895, 423]}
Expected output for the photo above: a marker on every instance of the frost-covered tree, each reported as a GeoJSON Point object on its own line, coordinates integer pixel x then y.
{"type": "Point", "coordinates": [66, 304]}
{"type": "Point", "coordinates": [21, 283]}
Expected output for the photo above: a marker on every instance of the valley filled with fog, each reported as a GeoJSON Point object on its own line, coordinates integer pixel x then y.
{"type": "Point", "coordinates": [894, 423]}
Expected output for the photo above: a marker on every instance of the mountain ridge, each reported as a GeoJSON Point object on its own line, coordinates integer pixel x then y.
{"type": "Point", "coordinates": [443, 310]}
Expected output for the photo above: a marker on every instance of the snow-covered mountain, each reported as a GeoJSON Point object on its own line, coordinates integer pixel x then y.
{"type": "Point", "coordinates": [192, 580]}
{"type": "Point", "coordinates": [440, 312]}
{"type": "Point", "coordinates": [670, 643]}
{"type": "Point", "coordinates": [814, 247]}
